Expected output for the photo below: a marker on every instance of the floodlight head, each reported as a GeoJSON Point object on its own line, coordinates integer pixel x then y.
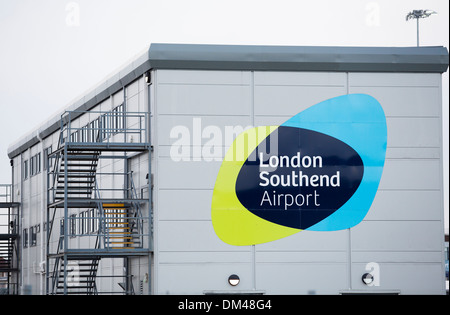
{"type": "Point", "coordinates": [419, 14]}
{"type": "Point", "coordinates": [429, 12]}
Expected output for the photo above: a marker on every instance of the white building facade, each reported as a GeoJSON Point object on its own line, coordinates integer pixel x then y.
{"type": "Point", "coordinates": [121, 194]}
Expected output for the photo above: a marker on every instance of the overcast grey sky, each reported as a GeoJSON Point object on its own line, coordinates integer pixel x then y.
{"type": "Point", "coordinates": [53, 50]}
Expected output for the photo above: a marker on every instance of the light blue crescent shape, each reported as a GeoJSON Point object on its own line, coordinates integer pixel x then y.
{"type": "Point", "coordinates": [359, 121]}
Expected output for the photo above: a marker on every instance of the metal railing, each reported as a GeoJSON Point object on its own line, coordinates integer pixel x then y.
{"type": "Point", "coordinates": [97, 224]}
{"type": "Point", "coordinates": [108, 189]}
{"type": "Point", "coordinates": [116, 126]}
{"type": "Point", "coordinates": [5, 192]}
{"type": "Point", "coordinates": [8, 218]}
{"type": "Point", "coordinates": [97, 227]}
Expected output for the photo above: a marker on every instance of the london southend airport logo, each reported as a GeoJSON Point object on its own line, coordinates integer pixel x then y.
{"type": "Point", "coordinates": [318, 171]}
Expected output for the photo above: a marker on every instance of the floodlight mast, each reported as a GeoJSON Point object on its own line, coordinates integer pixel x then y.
{"type": "Point", "coordinates": [419, 14]}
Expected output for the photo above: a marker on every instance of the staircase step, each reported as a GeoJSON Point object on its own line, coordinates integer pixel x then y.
{"type": "Point", "coordinates": [71, 152]}
{"type": "Point", "coordinates": [77, 170]}
{"type": "Point", "coordinates": [77, 176]}
{"type": "Point", "coordinates": [58, 198]}
{"type": "Point", "coordinates": [79, 275]}
{"type": "Point", "coordinates": [79, 164]}
{"type": "Point", "coordinates": [72, 287]}
{"type": "Point", "coordinates": [85, 264]}
{"type": "Point", "coordinates": [113, 205]}
{"type": "Point", "coordinates": [122, 243]}
{"type": "Point", "coordinates": [78, 182]}
{"type": "Point", "coordinates": [73, 192]}
{"type": "Point", "coordinates": [74, 188]}
{"type": "Point", "coordinates": [81, 156]}
{"type": "Point", "coordinates": [122, 248]}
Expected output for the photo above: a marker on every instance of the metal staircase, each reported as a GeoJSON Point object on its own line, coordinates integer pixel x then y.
{"type": "Point", "coordinates": [9, 242]}
{"type": "Point", "coordinates": [76, 175]}
{"type": "Point", "coordinates": [6, 253]}
{"type": "Point", "coordinates": [121, 226]}
{"type": "Point", "coordinates": [75, 184]}
{"type": "Point", "coordinates": [80, 274]}
{"type": "Point", "coordinates": [8, 265]}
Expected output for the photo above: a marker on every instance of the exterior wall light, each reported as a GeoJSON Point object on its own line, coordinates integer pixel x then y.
{"type": "Point", "coordinates": [367, 278]}
{"type": "Point", "coordinates": [233, 280]}
{"type": "Point", "coordinates": [148, 77]}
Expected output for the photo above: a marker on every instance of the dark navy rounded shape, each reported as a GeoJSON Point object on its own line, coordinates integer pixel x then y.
{"type": "Point", "coordinates": [313, 202]}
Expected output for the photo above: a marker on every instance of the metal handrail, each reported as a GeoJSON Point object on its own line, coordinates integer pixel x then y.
{"type": "Point", "coordinates": [105, 125]}
{"type": "Point", "coordinates": [5, 192]}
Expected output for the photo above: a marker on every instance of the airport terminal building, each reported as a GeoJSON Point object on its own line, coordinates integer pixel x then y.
{"type": "Point", "coordinates": [215, 169]}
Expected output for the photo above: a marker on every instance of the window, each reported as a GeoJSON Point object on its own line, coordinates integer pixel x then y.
{"type": "Point", "coordinates": [84, 134]}
{"type": "Point", "coordinates": [94, 131]}
{"type": "Point", "coordinates": [82, 219]}
{"type": "Point", "coordinates": [47, 225]}
{"type": "Point", "coordinates": [32, 166]}
{"type": "Point", "coordinates": [117, 119]}
{"type": "Point", "coordinates": [35, 164]}
{"type": "Point", "coordinates": [103, 127]}
{"type": "Point", "coordinates": [93, 221]}
{"type": "Point", "coordinates": [87, 222]}
{"type": "Point", "coordinates": [33, 233]}
{"type": "Point", "coordinates": [47, 160]}
{"type": "Point", "coordinates": [25, 169]}
{"type": "Point", "coordinates": [25, 238]}
{"type": "Point", "coordinates": [95, 214]}
{"type": "Point", "coordinates": [73, 225]}
{"type": "Point", "coordinates": [61, 231]}
{"type": "Point", "coordinates": [38, 163]}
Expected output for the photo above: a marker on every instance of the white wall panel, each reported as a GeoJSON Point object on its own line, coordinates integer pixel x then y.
{"type": "Point", "coordinates": [204, 100]}
{"type": "Point", "coordinates": [288, 93]}
{"type": "Point", "coordinates": [168, 124]}
{"type": "Point", "coordinates": [414, 132]}
{"type": "Point", "coordinates": [186, 236]}
{"type": "Point", "coordinates": [291, 100]}
{"type": "Point", "coordinates": [405, 205]}
{"type": "Point", "coordinates": [411, 174]}
{"type": "Point", "coordinates": [402, 227]}
{"type": "Point", "coordinates": [405, 101]}
{"type": "Point", "coordinates": [396, 236]}
{"type": "Point", "coordinates": [362, 79]}
{"type": "Point", "coordinates": [199, 77]}
{"type": "Point", "coordinates": [187, 175]}
{"type": "Point", "coordinates": [402, 278]}
{"type": "Point", "coordinates": [189, 205]}
{"type": "Point", "coordinates": [302, 278]}
{"type": "Point", "coordinates": [309, 241]}
{"type": "Point", "coordinates": [197, 278]}
{"type": "Point", "coordinates": [300, 78]}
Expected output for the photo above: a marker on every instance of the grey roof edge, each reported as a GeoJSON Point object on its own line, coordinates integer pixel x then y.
{"type": "Point", "coordinates": [253, 58]}
{"type": "Point", "coordinates": [299, 58]}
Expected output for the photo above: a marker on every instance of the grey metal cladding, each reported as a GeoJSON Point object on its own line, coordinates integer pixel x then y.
{"type": "Point", "coordinates": [292, 58]}
{"type": "Point", "coordinates": [252, 58]}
